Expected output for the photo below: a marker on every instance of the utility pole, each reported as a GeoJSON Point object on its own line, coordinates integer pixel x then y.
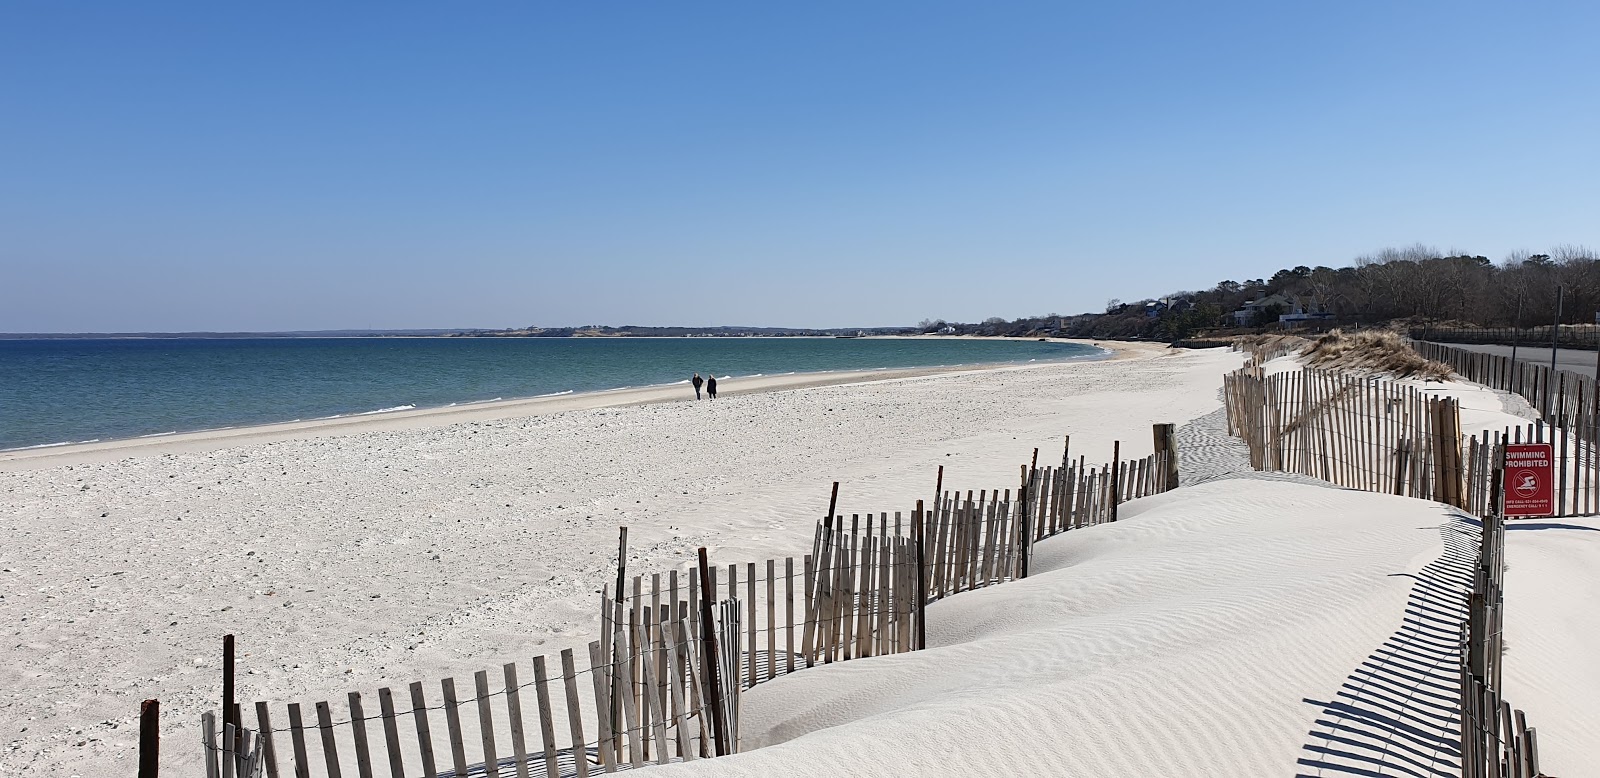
{"type": "Point", "coordinates": [1516, 329]}
{"type": "Point", "coordinates": [1555, 331]}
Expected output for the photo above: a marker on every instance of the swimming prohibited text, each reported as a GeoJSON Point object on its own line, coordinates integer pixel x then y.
{"type": "Point", "coordinates": [1529, 484]}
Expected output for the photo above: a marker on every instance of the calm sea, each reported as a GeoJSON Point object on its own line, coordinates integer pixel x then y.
{"type": "Point", "coordinates": [68, 391]}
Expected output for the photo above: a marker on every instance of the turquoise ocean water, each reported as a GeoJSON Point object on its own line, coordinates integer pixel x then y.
{"type": "Point", "coordinates": [69, 391]}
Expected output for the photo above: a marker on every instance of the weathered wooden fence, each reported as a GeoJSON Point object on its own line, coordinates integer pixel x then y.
{"type": "Point", "coordinates": [857, 594]}
{"type": "Point", "coordinates": [664, 680]}
{"type": "Point", "coordinates": [1568, 405]}
{"type": "Point", "coordinates": [1496, 741]}
{"type": "Point", "coordinates": [240, 752]}
{"type": "Point", "coordinates": [1359, 432]}
{"type": "Point", "coordinates": [674, 692]}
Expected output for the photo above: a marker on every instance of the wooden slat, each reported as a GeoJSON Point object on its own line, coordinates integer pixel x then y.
{"type": "Point", "coordinates": [861, 645]}
{"type": "Point", "coordinates": [519, 740]}
{"type": "Point", "coordinates": [688, 653]}
{"type": "Point", "coordinates": [419, 711]}
{"type": "Point", "coordinates": [391, 733]}
{"type": "Point", "coordinates": [208, 726]}
{"type": "Point", "coordinates": [452, 721]}
{"type": "Point", "coordinates": [602, 704]}
{"type": "Point", "coordinates": [358, 729]}
{"type": "Point", "coordinates": [908, 612]}
{"type": "Point", "coordinates": [269, 751]}
{"type": "Point", "coordinates": [330, 749]}
{"type": "Point", "coordinates": [940, 544]}
{"type": "Point", "coordinates": [750, 616]}
{"type": "Point", "coordinates": [547, 728]}
{"type": "Point", "coordinates": [636, 689]}
{"type": "Point", "coordinates": [675, 669]}
{"type": "Point", "coordinates": [772, 618]}
{"type": "Point", "coordinates": [249, 753]}
{"type": "Point", "coordinates": [569, 680]}
{"type": "Point", "coordinates": [297, 739]}
{"type": "Point", "coordinates": [630, 708]}
{"type": "Point", "coordinates": [229, 759]}
{"type": "Point", "coordinates": [788, 614]}
{"type": "Point", "coordinates": [845, 635]}
{"type": "Point", "coordinates": [658, 727]}
{"type": "Point", "coordinates": [491, 756]}
{"type": "Point", "coordinates": [659, 659]}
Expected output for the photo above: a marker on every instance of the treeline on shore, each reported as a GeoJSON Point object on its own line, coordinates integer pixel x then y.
{"type": "Point", "coordinates": [632, 331]}
{"type": "Point", "coordinates": [1412, 284]}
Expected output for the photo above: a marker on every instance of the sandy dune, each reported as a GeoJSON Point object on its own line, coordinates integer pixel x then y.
{"type": "Point", "coordinates": [1219, 630]}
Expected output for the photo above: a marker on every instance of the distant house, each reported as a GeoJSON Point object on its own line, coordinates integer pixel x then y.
{"type": "Point", "coordinates": [1172, 304]}
{"type": "Point", "coordinates": [1251, 312]}
{"type": "Point", "coordinates": [1294, 311]}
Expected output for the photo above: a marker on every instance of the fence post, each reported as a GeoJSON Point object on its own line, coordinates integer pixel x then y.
{"type": "Point", "coordinates": [1025, 518]}
{"type": "Point", "coordinates": [710, 661]}
{"type": "Point", "coordinates": [227, 684]}
{"type": "Point", "coordinates": [1166, 438]}
{"type": "Point", "coordinates": [150, 739]}
{"type": "Point", "coordinates": [618, 610]}
{"type": "Point", "coordinates": [1116, 472]}
{"type": "Point", "coordinates": [1447, 462]}
{"type": "Point", "coordinates": [918, 533]}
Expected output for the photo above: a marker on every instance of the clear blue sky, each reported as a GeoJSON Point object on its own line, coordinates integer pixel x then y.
{"type": "Point", "coordinates": [269, 166]}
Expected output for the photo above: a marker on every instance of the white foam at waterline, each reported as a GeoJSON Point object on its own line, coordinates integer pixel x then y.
{"type": "Point", "coordinates": [159, 434]}
{"type": "Point", "coordinates": [554, 394]}
{"type": "Point", "coordinates": [388, 410]}
{"type": "Point", "coordinates": [54, 445]}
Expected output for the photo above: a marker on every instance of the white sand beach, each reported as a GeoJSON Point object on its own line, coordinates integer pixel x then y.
{"type": "Point", "coordinates": [395, 548]}
{"type": "Point", "coordinates": [1236, 626]}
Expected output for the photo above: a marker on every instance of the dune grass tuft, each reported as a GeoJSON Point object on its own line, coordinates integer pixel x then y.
{"type": "Point", "coordinates": [1371, 351]}
{"type": "Point", "coordinates": [1376, 351]}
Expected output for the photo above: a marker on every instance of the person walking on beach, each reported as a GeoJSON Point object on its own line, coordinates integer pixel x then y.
{"type": "Point", "coordinates": [697, 382]}
{"type": "Point", "coordinates": [711, 385]}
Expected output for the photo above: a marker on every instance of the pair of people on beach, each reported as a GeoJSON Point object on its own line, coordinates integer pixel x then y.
{"type": "Point", "coordinates": [710, 382]}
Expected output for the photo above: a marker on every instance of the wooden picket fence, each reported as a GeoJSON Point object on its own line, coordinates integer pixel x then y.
{"type": "Point", "coordinates": [1496, 741]}
{"type": "Point", "coordinates": [1358, 432]}
{"type": "Point", "coordinates": [858, 591]}
{"type": "Point", "coordinates": [1568, 405]}
{"type": "Point", "coordinates": [663, 682]}
{"type": "Point", "coordinates": [675, 693]}
{"type": "Point", "coordinates": [241, 752]}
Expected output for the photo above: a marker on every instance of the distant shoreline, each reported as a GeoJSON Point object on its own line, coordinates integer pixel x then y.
{"type": "Point", "coordinates": [50, 455]}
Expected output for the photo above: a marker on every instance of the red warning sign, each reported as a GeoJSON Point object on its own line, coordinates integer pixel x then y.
{"type": "Point", "coordinates": [1530, 480]}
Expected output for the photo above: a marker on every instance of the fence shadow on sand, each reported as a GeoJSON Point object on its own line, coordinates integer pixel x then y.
{"type": "Point", "coordinates": [1397, 714]}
